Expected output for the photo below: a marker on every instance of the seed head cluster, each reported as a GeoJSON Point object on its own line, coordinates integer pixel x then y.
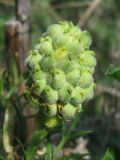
{"type": "Point", "coordinates": [59, 71]}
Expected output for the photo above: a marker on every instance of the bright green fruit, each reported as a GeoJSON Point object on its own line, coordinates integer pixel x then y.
{"type": "Point", "coordinates": [65, 93]}
{"type": "Point", "coordinates": [86, 69]}
{"type": "Point", "coordinates": [33, 60]}
{"type": "Point", "coordinates": [60, 40]}
{"type": "Point", "coordinates": [89, 92]}
{"type": "Point", "coordinates": [74, 48]}
{"type": "Point", "coordinates": [49, 95]}
{"type": "Point", "coordinates": [85, 80]}
{"type": "Point", "coordinates": [47, 63]}
{"type": "Point", "coordinates": [51, 122]}
{"type": "Point", "coordinates": [59, 71]}
{"type": "Point", "coordinates": [57, 79]}
{"type": "Point", "coordinates": [46, 46]}
{"type": "Point", "coordinates": [68, 64]}
{"type": "Point", "coordinates": [76, 31]}
{"type": "Point", "coordinates": [69, 111]}
{"type": "Point", "coordinates": [85, 39]}
{"type": "Point", "coordinates": [87, 60]}
{"type": "Point", "coordinates": [38, 86]}
{"type": "Point", "coordinates": [77, 96]}
{"type": "Point", "coordinates": [71, 30]}
{"type": "Point", "coordinates": [51, 110]}
{"type": "Point", "coordinates": [38, 74]}
{"type": "Point", "coordinates": [89, 52]}
{"type": "Point", "coordinates": [73, 77]}
{"type": "Point", "coordinates": [54, 29]}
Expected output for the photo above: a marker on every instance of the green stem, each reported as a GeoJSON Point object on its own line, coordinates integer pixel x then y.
{"type": "Point", "coordinates": [66, 137]}
{"type": "Point", "coordinates": [62, 143]}
{"type": "Point", "coordinates": [8, 132]}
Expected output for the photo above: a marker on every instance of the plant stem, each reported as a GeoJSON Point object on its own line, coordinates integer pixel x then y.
{"type": "Point", "coordinates": [66, 137]}
{"type": "Point", "coordinates": [8, 132]}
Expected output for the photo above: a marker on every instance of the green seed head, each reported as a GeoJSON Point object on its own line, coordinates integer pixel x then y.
{"type": "Point", "coordinates": [59, 72]}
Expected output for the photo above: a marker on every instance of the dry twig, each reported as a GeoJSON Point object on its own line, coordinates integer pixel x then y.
{"type": "Point", "coordinates": [70, 5]}
{"type": "Point", "coordinates": [110, 90]}
{"type": "Point", "coordinates": [88, 12]}
{"type": "Point", "coordinates": [7, 2]}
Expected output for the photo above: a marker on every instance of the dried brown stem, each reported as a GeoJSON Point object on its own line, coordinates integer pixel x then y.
{"type": "Point", "coordinates": [70, 5]}
{"type": "Point", "coordinates": [110, 90]}
{"type": "Point", "coordinates": [7, 2]}
{"type": "Point", "coordinates": [83, 19]}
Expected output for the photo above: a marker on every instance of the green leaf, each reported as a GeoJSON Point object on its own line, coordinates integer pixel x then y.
{"type": "Point", "coordinates": [35, 143]}
{"type": "Point", "coordinates": [1, 157]}
{"type": "Point", "coordinates": [113, 71]}
{"type": "Point", "coordinates": [108, 155]}
{"type": "Point", "coordinates": [80, 133]}
{"type": "Point", "coordinates": [49, 155]}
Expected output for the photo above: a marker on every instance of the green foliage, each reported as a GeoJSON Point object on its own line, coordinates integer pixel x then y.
{"type": "Point", "coordinates": [108, 155]}
{"type": "Point", "coordinates": [1, 157]}
{"type": "Point", "coordinates": [38, 136]}
{"type": "Point", "coordinates": [49, 153]}
{"type": "Point", "coordinates": [114, 72]}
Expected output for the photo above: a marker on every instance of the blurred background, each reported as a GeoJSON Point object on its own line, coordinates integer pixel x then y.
{"type": "Point", "coordinates": [102, 19]}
